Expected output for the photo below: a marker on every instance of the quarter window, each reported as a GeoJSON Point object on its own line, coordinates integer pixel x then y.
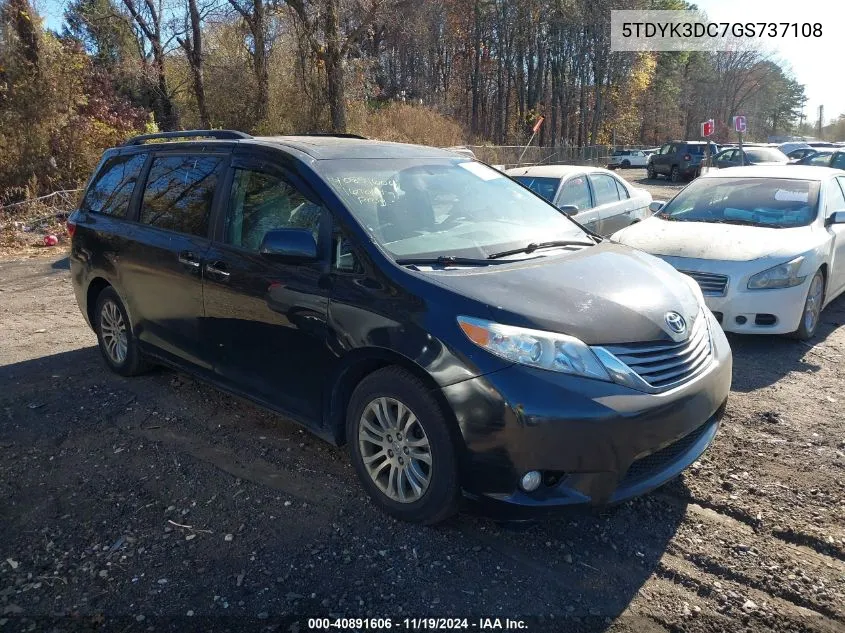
{"type": "Point", "coordinates": [622, 189]}
{"type": "Point", "coordinates": [605, 189]}
{"type": "Point", "coordinates": [261, 202]}
{"type": "Point", "coordinates": [179, 193]}
{"type": "Point", "coordinates": [111, 192]}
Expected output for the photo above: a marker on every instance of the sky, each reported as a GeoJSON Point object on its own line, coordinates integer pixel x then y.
{"type": "Point", "coordinates": [814, 62]}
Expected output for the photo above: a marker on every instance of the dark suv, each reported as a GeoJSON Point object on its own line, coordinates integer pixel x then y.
{"type": "Point", "coordinates": [679, 159]}
{"type": "Point", "coordinates": [454, 329]}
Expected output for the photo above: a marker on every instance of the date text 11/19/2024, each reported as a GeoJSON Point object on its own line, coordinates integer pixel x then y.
{"type": "Point", "coordinates": [417, 624]}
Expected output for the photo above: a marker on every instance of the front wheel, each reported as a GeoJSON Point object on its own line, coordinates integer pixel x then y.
{"type": "Point", "coordinates": [651, 173]}
{"type": "Point", "coordinates": [810, 317]}
{"type": "Point", "coordinates": [675, 174]}
{"type": "Point", "coordinates": [402, 448]}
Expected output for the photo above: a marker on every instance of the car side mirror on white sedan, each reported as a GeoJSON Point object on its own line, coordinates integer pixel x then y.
{"type": "Point", "coordinates": [656, 205]}
{"type": "Point", "coordinates": [837, 217]}
{"type": "Point", "coordinates": [568, 209]}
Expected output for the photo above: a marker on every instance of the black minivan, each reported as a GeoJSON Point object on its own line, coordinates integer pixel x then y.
{"type": "Point", "coordinates": [462, 336]}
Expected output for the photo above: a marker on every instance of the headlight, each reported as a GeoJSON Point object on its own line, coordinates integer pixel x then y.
{"type": "Point", "coordinates": [782, 276]}
{"type": "Point", "coordinates": [535, 348]}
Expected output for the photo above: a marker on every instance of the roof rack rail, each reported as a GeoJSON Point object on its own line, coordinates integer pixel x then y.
{"type": "Point", "coordinates": [335, 134]}
{"type": "Point", "coordinates": [222, 135]}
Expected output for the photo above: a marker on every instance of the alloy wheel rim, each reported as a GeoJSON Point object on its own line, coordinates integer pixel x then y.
{"type": "Point", "coordinates": [813, 305]}
{"type": "Point", "coordinates": [113, 331]}
{"type": "Point", "coordinates": [395, 450]}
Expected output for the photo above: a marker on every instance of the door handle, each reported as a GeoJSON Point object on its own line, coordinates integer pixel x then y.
{"type": "Point", "coordinates": [189, 259]}
{"type": "Point", "coordinates": [218, 269]}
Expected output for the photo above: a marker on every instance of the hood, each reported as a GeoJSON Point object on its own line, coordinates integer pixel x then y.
{"type": "Point", "coordinates": [603, 294]}
{"type": "Point", "coordinates": [707, 240]}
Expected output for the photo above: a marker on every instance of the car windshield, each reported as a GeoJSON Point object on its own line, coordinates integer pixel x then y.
{"type": "Point", "coordinates": [436, 207]}
{"type": "Point", "coordinates": [769, 202]}
{"type": "Point", "coordinates": [545, 187]}
{"type": "Point", "coordinates": [766, 155]}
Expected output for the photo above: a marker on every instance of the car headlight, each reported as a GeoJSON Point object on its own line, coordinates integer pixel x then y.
{"type": "Point", "coordinates": [535, 348]}
{"type": "Point", "coordinates": [781, 276]}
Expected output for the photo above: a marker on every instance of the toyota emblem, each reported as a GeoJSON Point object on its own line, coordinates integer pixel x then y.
{"type": "Point", "coordinates": [676, 322]}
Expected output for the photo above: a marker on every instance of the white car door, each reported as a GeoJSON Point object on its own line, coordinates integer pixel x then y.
{"type": "Point", "coordinates": [638, 159]}
{"type": "Point", "coordinates": [575, 192]}
{"type": "Point", "coordinates": [835, 201]}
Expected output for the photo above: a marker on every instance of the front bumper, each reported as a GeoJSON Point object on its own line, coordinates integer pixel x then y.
{"type": "Point", "coordinates": [596, 442]}
{"type": "Point", "coordinates": [760, 311]}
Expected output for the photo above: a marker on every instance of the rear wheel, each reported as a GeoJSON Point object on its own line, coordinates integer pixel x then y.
{"type": "Point", "coordinates": [118, 344]}
{"type": "Point", "coordinates": [811, 315]}
{"type": "Point", "coordinates": [651, 173]}
{"type": "Point", "coordinates": [401, 447]}
{"type": "Point", "coordinates": [675, 174]}
{"type": "Point", "coordinates": [626, 163]}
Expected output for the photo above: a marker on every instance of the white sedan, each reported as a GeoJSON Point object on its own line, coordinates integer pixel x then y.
{"type": "Point", "coordinates": [765, 244]}
{"type": "Point", "coordinates": [595, 197]}
{"type": "Point", "coordinates": [625, 158]}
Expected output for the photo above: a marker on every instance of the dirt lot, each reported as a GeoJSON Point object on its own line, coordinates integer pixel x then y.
{"type": "Point", "coordinates": [158, 503]}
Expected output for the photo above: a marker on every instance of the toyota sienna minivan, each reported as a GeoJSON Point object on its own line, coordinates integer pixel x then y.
{"type": "Point", "coordinates": [463, 337]}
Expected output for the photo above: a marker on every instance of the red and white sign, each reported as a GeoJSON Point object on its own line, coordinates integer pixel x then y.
{"type": "Point", "coordinates": [707, 128]}
{"type": "Point", "coordinates": [739, 123]}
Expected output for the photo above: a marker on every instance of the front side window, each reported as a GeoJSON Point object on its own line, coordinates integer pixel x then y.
{"type": "Point", "coordinates": [835, 197]}
{"type": "Point", "coordinates": [545, 187]}
{"type": "Point", "coordinates": [179, 193]}
{"type": "Point", "coordinates": [605, 189]}
{"type": "Point", "coordinates": [768, 202]}
{"type": "Point", "coordinates": [261, 202]}
{"type": "Point", "coordinates": [111, 191]}
{"type": "Point", "coordinates": [432, 207]}
{"type": "Point", "coordinates": [576, 192]}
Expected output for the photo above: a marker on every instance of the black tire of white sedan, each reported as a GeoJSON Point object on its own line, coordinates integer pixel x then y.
{"type": "Point", "coordinates": [811, 315]}
{"type": "Point", "coordinates": [402, 448]}
{"type": "Point", "coordinates": [114, 333]}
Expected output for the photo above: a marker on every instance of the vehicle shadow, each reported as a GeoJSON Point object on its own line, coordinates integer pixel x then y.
{"type": "Point", "coordinates": [760, 360]}
{"type": "Point", "coordinates": [571, 570]}
{"type": "Point", "coordinates": [61, 264]}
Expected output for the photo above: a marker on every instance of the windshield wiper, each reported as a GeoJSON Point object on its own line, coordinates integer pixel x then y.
{"type": "Point", "coordinates": [533, 246]}
{"type": "Point", "coordinates": [442, 260]}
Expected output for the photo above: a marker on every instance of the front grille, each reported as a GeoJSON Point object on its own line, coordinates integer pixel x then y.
{"type": "Point", "coordinates": [647, 466]}
{"type": "Point", "coordinates": [666, 364]}
{"type": "Point", "coordinates": [712, 285]}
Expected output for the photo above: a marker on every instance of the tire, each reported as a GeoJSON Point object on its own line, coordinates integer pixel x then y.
{"type": "Point", "coordinates": [675, 174]}
{"type": "Point", "coordinates": [815, 294]}
{"type": "Point", "coordinates": [432, 491]}
{"type": "Point", "coordinates": [120, 353]}
{"type": "Point", "coordinates": [650, 173]}
{"type": "Point", "coordinates": [625, 164]}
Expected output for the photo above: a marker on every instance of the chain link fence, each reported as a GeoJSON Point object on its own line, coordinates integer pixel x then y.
{"type": "Point", "coordinates": [518, 155]}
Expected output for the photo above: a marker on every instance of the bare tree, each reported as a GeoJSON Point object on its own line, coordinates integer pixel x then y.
{"type": "Point", "coordinates": [192, 44]}
{"type": "Point", "coordinates": [255, 15]}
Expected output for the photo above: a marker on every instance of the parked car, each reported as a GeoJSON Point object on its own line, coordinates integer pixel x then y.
{"type": "Point", "coordinates": [766, 244]}
{"type": "Point", "coordinates": [791, 146]}
{"type": "Point", "coordinates": [458, 333]}
{"type": "Point", "coordinates": [736, 157]}
{"type": "Point", "coordinates": [679, 159]}
{"type": "Point", "coordinates": [825, 158]}
{"type": "Point", "coordinates": [797, 154]}
{"type": "Point", "coordinates": [625, 158]}
{"type": "Point", "coordinates": [594, 197]}
{"type": "Point", "coordinates": [462, 150]}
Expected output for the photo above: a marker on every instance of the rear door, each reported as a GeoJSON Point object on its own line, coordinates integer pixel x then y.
{"type": "Point", "coordinates": [610, 208]}
{"type": "Point", "coordinates": [266, 320]}
{"type": "Point", "coordinates": [660, 162]}
{"type": "Point", "coordinates": [576, 192]}
{"type": "Point", "coordinates": [162, 264]}
{"type": "Point", "coordinates": [835, 201]}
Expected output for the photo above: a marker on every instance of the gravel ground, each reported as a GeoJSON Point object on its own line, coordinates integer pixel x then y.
{"type": "Point", "coordinates": [660, 187]}
{"type": "Point", "coordinates": [159, 503]}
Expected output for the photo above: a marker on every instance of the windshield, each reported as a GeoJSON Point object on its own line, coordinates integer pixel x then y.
{"type": "Point", "coordinates": [545, 187]}
{"type": "Point", "coordinates": [769, 202]}
{"type": "Point", "coordinates": [766, 155]}
{"type": "Point", "coordinates": [436, 207]}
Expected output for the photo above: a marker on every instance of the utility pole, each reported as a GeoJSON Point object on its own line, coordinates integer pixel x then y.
{"type": "Point", "coordinates": [821, 121]}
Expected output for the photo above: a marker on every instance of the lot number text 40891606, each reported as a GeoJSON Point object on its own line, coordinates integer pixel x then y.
{"type": "Point", "coordinates": [417, 624]}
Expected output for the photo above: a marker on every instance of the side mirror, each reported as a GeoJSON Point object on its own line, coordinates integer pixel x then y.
{"type": "Point", "coordinates": [656, 205]}
{"type": "Point", "coordinates": [837, 217]}
{"type": "Point", "coordinates": [568, 209]}
{"type": "Point", "coordinates": [291, 246]}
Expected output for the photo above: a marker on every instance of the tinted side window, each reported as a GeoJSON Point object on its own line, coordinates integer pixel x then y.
{"type": "Point", "coordinates": [605, 189]}
{"type": "Point", "coordinates": [819, 159]}
{"type": "Point", "coordinates": [179, 193]}
{"type": "Point", "coordinates": [839, 161]}
{"type": "Point", "coordinates": [576, 192]}
{"type": "Point", "coordinates": [260, 202]}
{"type": "Point", "coordinates": [622, 189]}
{"type": "Point", "coordinates": [111, 191]}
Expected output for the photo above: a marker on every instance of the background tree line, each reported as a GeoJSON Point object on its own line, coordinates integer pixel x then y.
{"type": "Point", "coordinates": [440, 72]}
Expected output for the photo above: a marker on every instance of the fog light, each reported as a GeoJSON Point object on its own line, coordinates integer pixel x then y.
{"type": "Point", "coordinates": [741, 320]}
{"type": "Point", "coordinates": [531, 480]}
